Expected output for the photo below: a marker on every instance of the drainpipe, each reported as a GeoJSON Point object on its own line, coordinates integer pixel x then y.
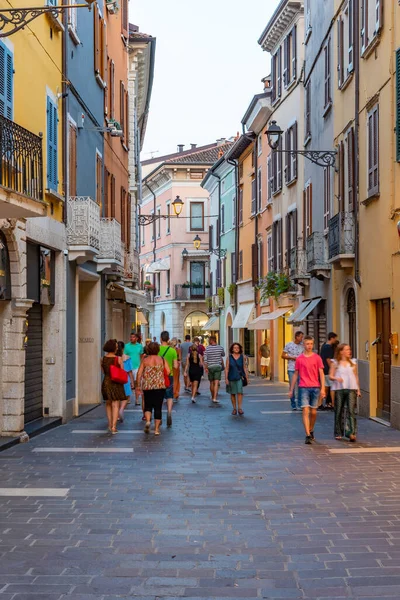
{"type": "Point", "coordinates": [219, 219]}
{"type": "Point", "coordinates": [234, 163]}
{"type": "Point", "coordinates": [356, 38]}
{"type": "Point", "coordinates": [64, 100]}
{"type": "Point", "coordinates": [154, 224]}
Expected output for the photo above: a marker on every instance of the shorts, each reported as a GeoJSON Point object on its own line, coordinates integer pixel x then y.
{"type": "Point", "coordinates": [214, 373]}
{"type": "Point", "coordinates": [169, 392]}
{"type": "Point", "coordinates": [309, 397]}
{"type": "Point", "coordinates": [328, 381]}
{"type": "Point", "coordinates": [134, 373]}
{"type": "Point", "coordinates": [183, 367]}
{"type": "Point", "coordinates": [265, 362]}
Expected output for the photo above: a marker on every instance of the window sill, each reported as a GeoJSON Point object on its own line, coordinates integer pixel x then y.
{"type": "Point", "coordinates": [372, 195]}
{"type": "Point", "coordinates": [327, 109]}
{"type": "Point", "coordinates": [346, 82]}
{"type": "Point", "coordinates": [55, 21]}
{"type": "Point", "coordinates": [168, 233]}
{"type": "Point", "coordinates": [308, 139]}
{"type": "Point", "coordinates": [168, 295]}
{"type": "Point", "coordinates": [291, 84]}
{"type": "Point", "coordinates": [73, 35]}
{"type": "Point", "coordinates": [308, 35]}
{"type": "Point", "coordinates": [291, 182]}
{"type": "Point", "coordinates": [54, 195]}
{"type": "Point", "coordinates": [366, 53]}
{"type": "Point", "coordinates": [100, 81]}
{"type": "Point", "coordinates": [277, 192]}
{"type": "Point", "coordinates": [276, 101]}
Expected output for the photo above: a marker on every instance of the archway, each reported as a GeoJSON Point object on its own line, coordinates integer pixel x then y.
{"type": "Point", "coordinates": [194, 323]}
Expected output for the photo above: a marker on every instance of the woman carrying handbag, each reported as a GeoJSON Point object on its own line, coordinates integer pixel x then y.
{"type": "Point", "coordinates": [112, 387]}
{"type": "Point", "coordinates": [236, 376]}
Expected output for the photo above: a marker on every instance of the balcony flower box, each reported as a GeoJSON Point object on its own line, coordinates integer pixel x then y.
{"type": "Point", "coordinates": [186, 285]}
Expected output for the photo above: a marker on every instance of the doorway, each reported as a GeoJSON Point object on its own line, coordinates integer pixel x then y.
{"type": "Point", "coordinates": [33, 408]}
{"type": "Point", "coordinates": [351, 310]}
{"type": "Point", "coordinates": [383, 358]}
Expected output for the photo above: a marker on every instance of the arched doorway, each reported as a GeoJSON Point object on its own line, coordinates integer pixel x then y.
{"type": "Point", "coordinates": [229, 331]}
{"type": "Point", "coordinates": [194, 324]}
{"type": "Point", "coordinates": [351, 307]}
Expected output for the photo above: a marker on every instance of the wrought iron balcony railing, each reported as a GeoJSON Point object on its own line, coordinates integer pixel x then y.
{"type": "Point", "coordinates": [21, 156]}
{"type": "Point", "coordinates": [298, 264]}
{"type": "Point", "coordinates": [83, 223]}
{"type": "Point", "coordinates": [194, 292]}
{"type": "Point", "coordinates": [341, 237]}
{"type": "Point", "coordinates": [110, 240]}
{"type": "Point", "coordinates": [317, 253]}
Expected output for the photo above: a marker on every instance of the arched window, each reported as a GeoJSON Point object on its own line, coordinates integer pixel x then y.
{"type": "Point", "coordinates": [5, 276]}
{"type": "Point", "coordinates": [352, 319]}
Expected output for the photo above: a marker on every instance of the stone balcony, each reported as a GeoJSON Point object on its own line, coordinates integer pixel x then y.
{"type": "Point", "coordinates": [317, 256]}
{"type": "Point", "coordinates": [298, 266]}
{"type": "Point", "coordinates": [341, 239]}
{"type": "Point", "coordinates": [111, 254]}
{"type": "Point", "coordinates": [83, 228]}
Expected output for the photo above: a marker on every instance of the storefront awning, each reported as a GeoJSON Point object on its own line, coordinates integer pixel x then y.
{"type": "Point", "coordinates": [263, 321]}
{"type": "Point", "coordinates": [211, 325]}
{"type": "Point", "coordinates": [117, 291]}
{"type": "Point", "coordinates": [242, 316]}
{"type": "Point", "coordinates": [160, 265]}
{"type": "Point", "coordinates": [303, 311]}
{"type": "Point", "coordinates": [140, 318]}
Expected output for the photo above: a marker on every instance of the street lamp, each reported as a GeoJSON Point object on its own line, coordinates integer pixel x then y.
{"type": "Point", "coordinates": [177, 205]}
{"type": "Point", "coordinates": [185, 253]}
{"type": "Point", "coordinates": [322, 158]}
{"type": "Point", "coordinates": [216, 251]}
{"type": "Point", "coordinates": [197, 242]}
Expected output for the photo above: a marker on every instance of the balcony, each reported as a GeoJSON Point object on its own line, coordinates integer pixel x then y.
{"type": "Point", "coordinates": [111, 252]}
{"type": "Point", "coordinates": [21, 172]}
{"type": "Point", "coordinates": [83, 228]}
{"type": "Point", "coordinates": [317, 262]}
{"type": "Point", "coordinates": [192, 293]}
{"type": "Point", "coordinates": [341, 239]}
{"type": "Point", "coordinates": [298, 266]}
{"type": "Point", "coordinates": [131, 265]}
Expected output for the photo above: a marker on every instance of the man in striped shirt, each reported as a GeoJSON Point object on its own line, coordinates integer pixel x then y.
{"type": "Point", "coordinates": [213, 363]}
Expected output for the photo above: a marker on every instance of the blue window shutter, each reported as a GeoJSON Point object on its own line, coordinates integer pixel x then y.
{"type": "Point", "coordinates": [398, 105]}
{"type": "Point", "coordinates": [52, 123]}
{"type": "Point", "coordinates": [6, 82]}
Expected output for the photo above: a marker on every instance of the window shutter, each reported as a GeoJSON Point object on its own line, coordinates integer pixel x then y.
{"type": "Point", "coordinates": [254, 264]}
{"type": "Point", "coordinates": [378, 15]}
{"type": "Point", "coordinates": [210, 237]}
{"type": "Point", "coordinates": [280, 72]}
{"type": "Point", "coordinates": [350, 169]}
{"type": "Point", "coordinates": [107, 211]}
{"type": "Point", "coordinates": [327, 51]}
{"type": "Point", "coordinates": [233, 267]}
{"type": "Point", "coordinates": [341, 177]}
{"type": "Point", "coordinates": [6, 82]}
{"type": "Point", "coordinates": [273, 78]}
{"type": "Point", "coordinates": [123, 216]}
{"type": "Point", "coordinates": [280, 246]}
{"type": "Point", "coordinates": [294, 228]}
{"type": "Point", "coordinates": [124, 18]}
{"type": "Point", "coordinates": [99, 174]}
{"type": "Point", "coordinates": [279, 172]}
{"type": "Point", "coordinates": [288, 218]}
{"type": "Point", "coordinates": [310, 208]}
{"type": "Point", "coordinates": [326, 197]}
{"type": "Point", "coordinates": [112, 197]}
{"type": "Point", "coordinates": [218, 278]}
{"type": "Point", "coordinates": [269, 164]}
{"type": "Point", "coordinates": [129, 222]}
{"type": "Point", "coordinates": [398, 105]}
{"type": "Point", "coordinates": [253, 195]}
{"type": "Point", "coordinates": [112, 90]}
{"type": "Point", "coordinates": [340, 68]}
{"type": "Point", "coordinates": [294, 52]}
{"type": "Point", "coordinates": [308, 110]}
{"type": "Point", "coordinates": [222, 218]}
{"type": "Point", "coordinates": [286, 58]}
{"type": "Point", "coordinates": [104, 61]}
{"type": "Point", "coordinates": [364, 25]}
{"type": "Point", "coordinates": [260, 260]}
{"type": "Point", "coordinates": [287, 156]}
{"type": "Point", "coordinates": [351, 34]}
{"type": "Point", "coordinates": [259, 190]}
{"type": "Point", "coordinates": [376, 149]}
{"type": "Point", "coordinates": [122, 105]}
{"type": "Point", "coordinates": [240, 274]}
{"type": "Point", "coordinates": [217, 234]}
{"type": "Point", "coordinates": [270, 258]}
{"type": "Point", "coordinates": [294, 147]}
{"type": "Point", "coordinates": [240, 206]}
{"type": "Point", "coordinates": [127, 119]}
{"type": "Point", "coordinates": [72, 160]}
{"type": "Point", "coordinates": [96, 26]}
{"type": "Point", "coordinates": [223, 270]}
{"type": "Point", "coordinates": [52, 160]}
{"type": "Point", "coordinates": [304, 218]}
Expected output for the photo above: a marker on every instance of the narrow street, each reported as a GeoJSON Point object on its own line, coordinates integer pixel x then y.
{"type": "Point", "coordinates": [217, 507]}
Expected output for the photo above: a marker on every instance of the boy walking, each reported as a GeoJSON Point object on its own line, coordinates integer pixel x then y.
{"type": "Point", "coordinates": [309, 371]}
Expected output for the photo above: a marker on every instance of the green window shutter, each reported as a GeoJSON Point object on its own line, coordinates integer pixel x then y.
{"type": "Point", "coordinates": [6, 82]}
{"type": "Point", "coordinates": [398, 105]}
{"type": "Point", "coordinates": [52, 124]}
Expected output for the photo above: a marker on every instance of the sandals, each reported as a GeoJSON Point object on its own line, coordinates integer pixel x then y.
{"type": "Point", "coordinates": [338, 437]}
{"type": "Point", "coordinates": [234, 412]}
{"type": "Point", "coordinates": [156, 433]}
{"type": "Point", "coordinates": [147, 427]}
{"type": "Point", "coordinates": [114, 431]}
{"type": "Point", "coordinates": [241, 412]}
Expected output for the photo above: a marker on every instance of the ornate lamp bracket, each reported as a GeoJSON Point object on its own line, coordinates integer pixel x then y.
{"type": "Point", "coordinates": [15, 19]}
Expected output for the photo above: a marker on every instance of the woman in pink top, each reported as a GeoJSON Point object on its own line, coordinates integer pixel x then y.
{"type": "Point", "coordinates": [309, 371]}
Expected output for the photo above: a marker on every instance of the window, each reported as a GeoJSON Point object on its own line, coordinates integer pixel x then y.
{"type": "Point", "coordinates": [270, 254]}
{"type": "Point", "coordinates": [112, 90]}
{"type": "Point", "coordinates": [290, 57]}
{"type": "Point", "coordinates": [52, 145]}
{"type": "Point", "coordinates": [112, 197]}
{"type": "Point", "coordinates": [197, 216]}
{"type": "Point", "coordinates": [259, 190]}
{"type": "Point", "coordinates": [259, 144]}
{"type": "Point", "coordinates": [142, 238]}
{"type": "Point", "coordinates": [122, 105]}
{"type": "Point", "coordinates": [373, 152]}
{"type": "Point", "coordinates": [307, 12]}
{"type": "Point", "coordinates": [158, 284]}
{"type": "Point", "coordinates": [307, 212]}
{"type": "Point", "coordinates": [345, 34]}
{"type": "Point", "coordinates": [73, 20]}
{"type": "Point", "coordinates": [107, 208]}
{"type": "Point", "coordinates": [72, 160]}
{"type": "Point", "coordinates": [210, 237]}
{"type": "Point", "coordinates": [253, 196]}
{"type": "Point", "coordinates": [6, 81]}
{"type": "Point", "coordinates": [276, 75]}
{"type": "Point", "coordinates": [327, 76]}
{"type": "Point", "coordinates": [277, 245]}
{"type": "Point", "coordinates": [123, 216]}
{"type": "Point", "coordinates": [260, 264]}
{"type": "Point", "coordinates": [100, 51]}
{"type": "Point", "coordinates": [240, 274]}
{"type": "Point", "coordinates": [307, 119]}
{"type": "Point", "coordinates": [222, 218]}
{"type": "Point", "coordinates": [99, 176]}
{"type": "Point", "coordinates": [124, 18]}
{"type": "Point", "coordinates": [233, 267]}
{"type": "Point", "coordinates": [269, 179]}
{"type": "Point", "coordinates": [234, 211]}
{"type": "Point", "coordinates": [158, 223]}
{"type": "Point", "coordinates": [371, 22]}
{"type": "Point", "coordinates": [277, 169]}
{"type": "Point", "coordinates": [153, 228]}
{"type": "Point", "coordinates": [128, 221]}
{"type": "Point", "coordinates": [240, 211]}
{"type": "Point", "coordinates": [168, 286]}
{"type": "Point", "coordinates": [327, 197]}
{"type": "Point", "coordinates": [291, 234]}
{"type": "Point", "coordinates": [254, 264]}
{"type": "Point", "coordinates": [350, 169]}
{"type": "Point", "coordinates": [168, 218]}
{"type": "Point", "coordinates": [291, 159]}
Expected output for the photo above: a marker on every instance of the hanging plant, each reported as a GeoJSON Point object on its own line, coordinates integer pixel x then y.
{"type": "Point", "coordinates": [209, 304]}
{"type": "Point", "coordinates": [231, 289]}
{"type": "Point", "coordinates": [186, 284]}
{"type": "Point", "coordinates": [221, 295]}
{"type": "Point", "coordinates": [273, 285]}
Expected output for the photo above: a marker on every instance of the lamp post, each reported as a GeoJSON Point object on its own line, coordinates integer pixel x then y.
{"type": "Point", "coordinates": [177, 205]}
{"type": "Point", "coordinates": [322, 158]}
{"type": "Point", "coordinates": [217, 251]}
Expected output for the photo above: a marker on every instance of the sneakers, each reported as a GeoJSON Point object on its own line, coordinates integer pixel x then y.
{"type": "Point", "coordinates": [169, 421]}
{"type": "Point", "coordinates": [312, 436]}
{"type": "Point", "coordinates": [147, 427]}
{"type": "Point", "coordinates": [294, 409]}
{"type": "Point", "coordinates": [194, 400]}
{"type": "Point", "coordinates": [308, 439]}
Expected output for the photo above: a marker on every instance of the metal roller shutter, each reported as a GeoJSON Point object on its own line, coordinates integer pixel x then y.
{"type": "Point", "coordinates": [34, 365]}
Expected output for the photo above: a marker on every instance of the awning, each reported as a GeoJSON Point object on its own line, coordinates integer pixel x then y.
{"type": "Point", "coordinates": [303, 311]}
{"type": "Point", "coordinates": [211, 325]}
{"type": "Point", "coordinates": [160, 265]}
{"type": "Point", "coordinates": [263, 321]}
{"type": "Point", "coordinates": [242, 316]}
{"type": "Point", "coordinates": [128, 295]}
{"type": "Point", "coordinates": [140, 318]}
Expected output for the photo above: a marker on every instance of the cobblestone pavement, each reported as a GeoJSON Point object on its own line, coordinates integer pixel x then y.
{"type": "Point", "coordinates": [217, 507]}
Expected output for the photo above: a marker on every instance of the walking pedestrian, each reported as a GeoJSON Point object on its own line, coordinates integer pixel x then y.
{"type": "Point", "coordinates": [194, 369]}
{"type": "Point", "coordinates": [113, 393]}
{"type": "Point", "coordinates": [171, 357]}
{"type": "Point", "coordinates": [176, 371]}
{"type": "Point", "coordinates": [214, 364]}
{"type": "Point", "coordinates": [151, 381]}
{"type": "Point", "coordinates": [265, 358]}
{"type": "Point", "coordinates": [129, 387]}
{"type": "Point", "coordinates": [327, 353]}
{"type": "Point", "coordinates": [344, 376]}
{"type": "Point", "coordinates": [134, 349]}
{"type": "Point", "coordinates": [185, 347]}
{"type": "Point", "coordinates": [290, 353]}
{"type": "Point", "coordinates": [309, 371]}
{"type": "Point", "coordinates": [236, 370]}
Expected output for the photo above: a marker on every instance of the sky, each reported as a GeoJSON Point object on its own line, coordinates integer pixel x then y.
{"type": "Point", "coordinates": [208, 67]}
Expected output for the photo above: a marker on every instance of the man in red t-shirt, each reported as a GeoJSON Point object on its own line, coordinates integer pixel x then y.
{"type": "Point", "coordinates": [309, 370]}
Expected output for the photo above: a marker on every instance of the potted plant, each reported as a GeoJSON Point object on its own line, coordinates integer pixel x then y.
{"type": "Point", "coordinates": [221, 295]}
{"type": "Point", "coordinates": [231, 290]}
{"type": "Point", "coordinates": [273, 285]}
{"type": "Point", "coordinates": [186, 284]}
{"type": "Point", "coordinates": [209, 304]}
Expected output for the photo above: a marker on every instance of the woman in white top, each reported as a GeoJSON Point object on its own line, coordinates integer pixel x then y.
{"type": "Point", "coordinates": [343, 373]}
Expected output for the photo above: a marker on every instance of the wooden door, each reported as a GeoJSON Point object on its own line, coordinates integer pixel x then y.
{"type": "Point", "coordinates": [383, 357]}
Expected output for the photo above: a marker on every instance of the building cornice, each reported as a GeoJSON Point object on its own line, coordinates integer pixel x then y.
{"type": "Point", "coordinates": [285, 13]}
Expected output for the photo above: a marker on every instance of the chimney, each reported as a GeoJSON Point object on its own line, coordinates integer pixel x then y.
{"type": "Point", "coordinates": [221, 141]}
{"type": "Point", "coordinates": [181, 147]}
{"type": "Point", "coordinates": [193, 146]}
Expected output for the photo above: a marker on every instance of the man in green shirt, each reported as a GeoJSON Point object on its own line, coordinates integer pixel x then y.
{"type": "Point", "coordinates": [134, 350]}
{"type": "Point", "coordinates": [171, 357]}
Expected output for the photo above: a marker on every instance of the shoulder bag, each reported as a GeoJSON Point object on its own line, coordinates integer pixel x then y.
{"type": "Point", "coordinates": [117, 374]}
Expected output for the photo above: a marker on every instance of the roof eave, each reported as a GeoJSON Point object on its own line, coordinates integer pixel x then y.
{"type": "Point", "coordinates": [240, 145]}
{"type": "Point", "coordinates": [284, 14]}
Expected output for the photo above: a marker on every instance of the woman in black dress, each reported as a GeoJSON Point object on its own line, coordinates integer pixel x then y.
{"type": "Point", "coordinates": [113, 393]}
{"type": "Point", "coordinates": [194, 368]}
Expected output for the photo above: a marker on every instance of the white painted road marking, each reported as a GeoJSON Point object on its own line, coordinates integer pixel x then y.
{"type": "Point", "coordinates": [387, 449]}
{"type": "Point", "coordinates": [49, 492]}
{"type": "Point", "coordinates": [105, 450]}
